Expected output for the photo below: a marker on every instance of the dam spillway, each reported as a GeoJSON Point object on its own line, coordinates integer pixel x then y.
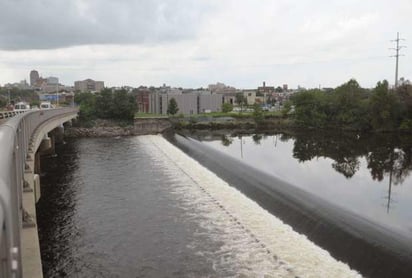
{"type": "Point", "coordinates": [140, 206]}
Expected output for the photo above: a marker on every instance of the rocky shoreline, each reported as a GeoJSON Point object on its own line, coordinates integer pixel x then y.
{"type": "Point", "coordinates": [113, 131]}
{"type": "Point", "coordinates": [105, 128]}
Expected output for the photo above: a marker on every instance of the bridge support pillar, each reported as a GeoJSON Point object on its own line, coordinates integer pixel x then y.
{"type": "Point", "coordinates": [58, 134]}
{"type": "Point", "coordinates": [68, 124]}
{"type": "Point", "coordinates": [47, 146]}
{"type": "Point", "coordinates": [37, 168]}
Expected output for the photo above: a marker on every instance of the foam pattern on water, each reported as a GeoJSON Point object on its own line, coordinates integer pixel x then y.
{"type": "Point", "coordinates": [252, 242]}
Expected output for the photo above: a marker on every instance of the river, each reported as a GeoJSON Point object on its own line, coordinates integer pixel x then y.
{"type": "Point", "coordinates": [140, 207]}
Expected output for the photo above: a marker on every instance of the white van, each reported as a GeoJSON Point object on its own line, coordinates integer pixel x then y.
{"type": "Point", "coordinates": [22, 106]}
{"type": "Point", "coordinates": [46, 105]}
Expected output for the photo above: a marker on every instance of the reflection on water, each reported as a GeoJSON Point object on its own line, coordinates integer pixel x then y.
{"type": "Point", "coordinates": [386, 154]}
{"type": "Point", "coordinates": [366, 173]}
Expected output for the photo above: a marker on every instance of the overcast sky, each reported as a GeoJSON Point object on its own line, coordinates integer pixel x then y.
{"type": "Point", "coordinates": [193, 43]}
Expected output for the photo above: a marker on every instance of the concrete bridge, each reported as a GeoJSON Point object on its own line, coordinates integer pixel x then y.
{"type": "Point", "coordinates": [23, 138]}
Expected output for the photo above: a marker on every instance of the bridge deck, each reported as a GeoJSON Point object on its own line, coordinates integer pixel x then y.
{"type": "Point", "coordinates": [21, 133]}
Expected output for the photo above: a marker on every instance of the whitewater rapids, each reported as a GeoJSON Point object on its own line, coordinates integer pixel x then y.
{"type": "Point", "coordinates": [254, 243]}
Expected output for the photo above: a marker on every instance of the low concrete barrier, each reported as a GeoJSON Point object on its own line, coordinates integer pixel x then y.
{"type": "Point", "coordinates": [143, 126]}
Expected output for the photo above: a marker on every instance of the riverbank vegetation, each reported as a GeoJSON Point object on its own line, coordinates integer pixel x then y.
{"type": "Point", "coordinates": [352, 107]}
{"type": "Point", "coordinates": [16, 95]}
{"type": "Point", "coordinates": [347, 107]}
{"type": "Point", "coordinates": [115, 105]}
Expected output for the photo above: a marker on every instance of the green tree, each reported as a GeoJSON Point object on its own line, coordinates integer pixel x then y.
{"type": "Point", "coordinates": [79, 98]}
{"type": "Point", "coordinates": [348, 105]}
{"type": "Point", "coordinates": [241, 100]}
{"type": "Point", "coordinates": [104, 104]}
{"type": "Point", "coordinates": [3, 102]}
{"type": "Point", "coordinates": [124, 106]}
{"type": "Point", "coordinates": [258, 113]}
{"type": "Point", "coordinates": [287, 107]}
{"type": "Point", "coordinates": [87, 106]}
{"type": "Point", "coordinates": [310, 108]}
{"type": "Point", "coordinates": [404, 93]}
{"type": "Point", "coordinates": [384, 107]}
{"type": "Point", "coordinates": [227, 107]}
{"type": "Point", "coordinates": [35, 103]}
{"type": "Point", "coordinates": [172, 108]}
{"type": "Point", "coordinates": [107, 105]}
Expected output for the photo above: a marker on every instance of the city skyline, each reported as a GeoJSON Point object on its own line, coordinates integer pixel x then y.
{"type": "Point", "coordinates": [195, 43]}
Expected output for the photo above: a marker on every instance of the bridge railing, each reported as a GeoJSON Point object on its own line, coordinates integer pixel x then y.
{"type": "Point", "coordinates": [10, 114]}
{"type": "Point", "coordinates": [15, 137]}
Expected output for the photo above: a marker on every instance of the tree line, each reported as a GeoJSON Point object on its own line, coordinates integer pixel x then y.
{"type": "Point", "coordinates": [17, 95]}
{"type": "Point", "coordinates": [350, 106]}
{"type": "Point", "coordinates": [108, 104]}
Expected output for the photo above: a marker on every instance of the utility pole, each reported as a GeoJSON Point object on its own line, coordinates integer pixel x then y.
{"type": "Point", "coordinates": [57, 95]}
{"type": "Point", "coordinates": [397, 48]}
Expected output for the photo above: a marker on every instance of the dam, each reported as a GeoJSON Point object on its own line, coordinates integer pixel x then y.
{"type": "Point", "coordinates": [141, 206]}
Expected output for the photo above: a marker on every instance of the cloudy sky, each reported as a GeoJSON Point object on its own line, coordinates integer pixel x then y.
{"type": "Point", "coordinates": [192, 43]}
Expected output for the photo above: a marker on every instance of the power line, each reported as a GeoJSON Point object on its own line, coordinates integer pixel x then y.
{"type": "Point", "coordinates": [397, 48]}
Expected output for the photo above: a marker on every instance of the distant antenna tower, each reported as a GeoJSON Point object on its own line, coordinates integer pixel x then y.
{"type": "Point", "coordinates": [397, 48]}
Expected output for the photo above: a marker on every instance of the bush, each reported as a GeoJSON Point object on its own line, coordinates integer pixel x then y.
{"type": "Point", "coordinates": [227, 107]}
{"type": "Point", "coordinates": [406, 125]}
{"type": "Point", "coordinates": [258, 113]}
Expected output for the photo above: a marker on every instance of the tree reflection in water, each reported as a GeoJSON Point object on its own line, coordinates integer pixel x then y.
{"type": "Point", "coordinates": [226, 140]}
{"type": "Point", "coordinates": [386, 154]}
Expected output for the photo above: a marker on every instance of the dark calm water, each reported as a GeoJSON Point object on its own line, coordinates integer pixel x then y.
{"type": "Point", "coordinates": [367, 174]}
{"type": "Point", "coordinates": [105, 212]}
{"type": "Point", "coordinates": [118, 208]}
{"type": "Point", "coordinates": [349, 193]}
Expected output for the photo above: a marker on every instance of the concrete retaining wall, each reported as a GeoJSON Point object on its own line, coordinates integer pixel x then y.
{"type": "Point", "coordinates": [143, 126]}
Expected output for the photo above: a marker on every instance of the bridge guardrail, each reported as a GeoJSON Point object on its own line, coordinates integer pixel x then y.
{"type": "Point", "coordinates": [15, 135]}
{"type": "Point", "coordinates": [10, 114]}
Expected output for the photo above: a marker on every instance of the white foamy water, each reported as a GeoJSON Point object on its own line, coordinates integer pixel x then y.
{"type": "Point", "coordinates": [252, 242]}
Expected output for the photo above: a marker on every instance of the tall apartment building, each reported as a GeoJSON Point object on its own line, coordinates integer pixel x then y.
{"type": "Point", "coordinates": [34, 76]}
{"type": "Point", "coordinates": [88, 85]}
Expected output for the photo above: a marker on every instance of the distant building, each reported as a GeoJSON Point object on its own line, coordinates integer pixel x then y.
{"type": "Point", "coordinates": [88, 85]}
{"type": "Point", "coordinates": [34, 76]}
{"type": "Point", "coordinates": [285, 87]}
{"type": "Point", "coordinates": [23, 85]}
{"type": "Point", "coordinates": [250, 96]}
{"type": "Point", "coordinates": [143, 95]}
{"type": "Point", "coordinates": [52, 80]}
{"type": "Point", "coordinates": [210, 103]}
{"type": "Point", "coordinates": [187, 103]}
{"type": "Point", "coordinates": [265, 89]}
{"type": "Point", "coordinates": [40, 83]}
{"type": "Point", "coordinates": [57, 97]}
{"type": "Point", "coordinates": [221, 88]}
{"type": "Point", "coordinates": [230, 98]}
{"type": "Point", "coordinates": [190, 103]}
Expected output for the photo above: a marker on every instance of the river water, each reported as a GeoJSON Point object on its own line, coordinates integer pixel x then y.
{"type": "Point", "coordinates": [366, 174]}
{"type": "Point", "coordinates": [139, 207]}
